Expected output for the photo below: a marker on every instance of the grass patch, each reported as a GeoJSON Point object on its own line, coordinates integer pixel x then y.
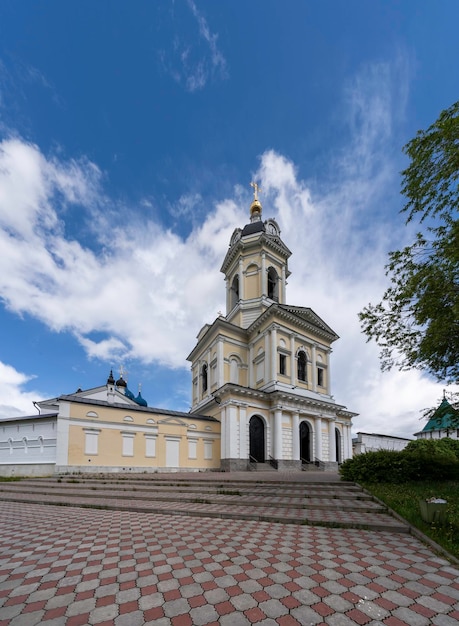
{"type": "Point", "coordinates": [404, 499]}
{"type": "Point", "coordinates": [200, 501]}
{"type": "Point", "coordinates": [228, 492]}
{"type": "Point", "coordinates": [10, 479]}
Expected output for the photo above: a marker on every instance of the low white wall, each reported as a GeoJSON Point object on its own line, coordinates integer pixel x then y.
{"type": "Point", "coordinates": [27, 469]}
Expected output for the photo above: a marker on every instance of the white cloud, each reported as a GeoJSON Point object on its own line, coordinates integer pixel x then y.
{"type": "Point", "coordinates": [146, 291]}
{"type": "Point", "coordinates": [193, 63]}
{"type": "Point", "coordinates": [14, 399]}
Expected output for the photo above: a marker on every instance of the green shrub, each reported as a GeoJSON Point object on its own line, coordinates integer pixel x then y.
{"type": "Point", "coordinates": [420, 460]}
{"type": "Point", "coordinates": [439, 447]}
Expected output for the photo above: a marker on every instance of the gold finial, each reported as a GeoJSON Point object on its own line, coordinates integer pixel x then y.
{"type": "Point", "coordinates": [256, 190]}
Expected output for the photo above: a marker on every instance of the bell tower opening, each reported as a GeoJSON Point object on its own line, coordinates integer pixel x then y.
{"type": "Point", "coordinates": [234, 292]}
{"type": "Point", "coordinates": [273, 284]}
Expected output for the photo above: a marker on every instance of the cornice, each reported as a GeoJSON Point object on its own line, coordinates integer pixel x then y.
{"type": "Point", "coordinates": [246, 243]}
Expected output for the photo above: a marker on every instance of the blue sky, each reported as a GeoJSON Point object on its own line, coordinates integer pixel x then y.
{"type": "Point", "coordinates": [128, 135]}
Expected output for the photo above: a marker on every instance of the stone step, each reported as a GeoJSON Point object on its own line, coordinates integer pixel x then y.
{"type": "Point", "coordinates": [280, 501]}
{"type": "Point", "coordinates": [230, 498]}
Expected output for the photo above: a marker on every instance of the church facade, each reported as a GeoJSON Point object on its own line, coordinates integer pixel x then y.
{"type": "Point", "coordinates": [261, 390]}
{"type": "Point", "coordinates": [263, 369]}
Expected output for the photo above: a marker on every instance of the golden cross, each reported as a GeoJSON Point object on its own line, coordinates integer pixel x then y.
{"type": "Point", "coordinates": [256, 190]}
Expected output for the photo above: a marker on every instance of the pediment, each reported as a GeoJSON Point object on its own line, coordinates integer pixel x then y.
{"type": "Point", "coordinates": [175, 421]}
{"type": "Point", "coordinates": [308, 315]}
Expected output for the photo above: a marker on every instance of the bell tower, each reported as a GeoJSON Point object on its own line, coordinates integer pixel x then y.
{"type": "Point", "coordinates": [263, 369]}
{"type": "Point", "coordinates": [255, 267]}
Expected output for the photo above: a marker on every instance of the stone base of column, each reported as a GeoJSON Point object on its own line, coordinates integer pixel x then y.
{"type": "Point", "coordinates": [329, 466]}
{"type": "Point", "coordinates": [288, 466]}
{"type": "Point", "coordinates": [234, 465]}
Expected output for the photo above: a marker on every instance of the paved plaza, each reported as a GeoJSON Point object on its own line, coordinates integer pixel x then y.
{"type": "Point", "coordinates": [69, 566]}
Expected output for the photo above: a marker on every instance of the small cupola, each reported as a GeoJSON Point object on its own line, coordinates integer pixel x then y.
{"type": "Point", "coordinates": [255, 207]}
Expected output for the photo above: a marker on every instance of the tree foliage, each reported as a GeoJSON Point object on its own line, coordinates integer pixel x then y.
{"type": "Point", "coordinates": [416, 324]}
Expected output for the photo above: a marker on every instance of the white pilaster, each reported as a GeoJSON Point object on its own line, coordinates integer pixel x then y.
{"type": "Point", "coordinates": [267, 358]}
{"type": "Point", "coordinates": [251, 366]}
{"type": "Point", "coordinates": [314, 368]}
{"type": "Point", "coordinates": [283, 285]}
{"type": "Point", "coordinates": [331, 441]}
{"type": "Point", "coordinates": [220, 365]}
{"type": "Point", "coordinates": [241, 280]}
{"type": "Point", "coordinates": [264, 277]}
{"type": "Point", "coordinates": [274, 353]}
{"type": "Point", "coordinates": [318, 441]}
{"type": "Point", "coordinates": [292, 360]}
{"type": "Point", "coordinates": [232, 431]}
{"type": "Point", "coordinates": [296, 436]}
{"type": "Point", "coordinates": [277, 444]}
{"type": "Point", "coordinates": [228, 296]}
{"type": "Point", "coordinates": [243, 452]}
{"type": "Point", "coordinates": [223, 438]}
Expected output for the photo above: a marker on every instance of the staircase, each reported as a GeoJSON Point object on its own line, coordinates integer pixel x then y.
{"type": "Point", "coordinates": [251, 496]}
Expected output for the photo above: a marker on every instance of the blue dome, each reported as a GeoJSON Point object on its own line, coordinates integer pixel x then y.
{"type": "Point", "coordinates": [128, 393]}
{"type": "Point", "coordinates": [140, 400]}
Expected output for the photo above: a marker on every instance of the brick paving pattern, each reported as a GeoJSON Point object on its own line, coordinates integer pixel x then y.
{"type": "Point", "coordinates": [68, 566]}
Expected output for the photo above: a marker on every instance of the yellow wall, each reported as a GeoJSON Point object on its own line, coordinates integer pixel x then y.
{"type": "Point", "coordinates": [110, 426]}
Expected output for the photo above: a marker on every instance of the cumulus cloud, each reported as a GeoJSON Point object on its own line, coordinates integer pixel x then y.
{"type": "Point", "coordinates": [14, 399]}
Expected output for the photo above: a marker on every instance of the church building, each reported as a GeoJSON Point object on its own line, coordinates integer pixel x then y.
{"type": "Point", "coordinates": [263, 370]}
{"type": "Point", "coordinates": [261, 390]}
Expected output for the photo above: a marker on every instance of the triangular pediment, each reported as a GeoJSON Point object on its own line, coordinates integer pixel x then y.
{"type": "Point", "coordinates": [301, 316]}
{"type": "Point", "coordinates": [175, 421]}
{"type": "Point", "coordinates": [308, 315]}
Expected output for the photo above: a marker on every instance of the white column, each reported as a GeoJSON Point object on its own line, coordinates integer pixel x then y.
{"type": "Point", "coordinates": [296, 436]}
{"type": "Point", "coordinates": [264, 282]}
{"type": "Point", "coordinates": [292, 360]}
{"type": "Point", "coordinates": [277, 447]}
{"type": "Point", "coordinates": [274, 353]}
{"type": "Point", "coordinates": [318, 442]}
{"type": "Point", "coordinates": [220, 365]}
{"type": "Point", "coordinates": [251, 373]}
{"type": "Point", "coordinates": [314, 368]}
{"type": "Point", "coordinates": [331, 441]}
{"type": "Point", "coordinates": [241, 281]}
{"type": "Point", "coordinates": [243, 452]}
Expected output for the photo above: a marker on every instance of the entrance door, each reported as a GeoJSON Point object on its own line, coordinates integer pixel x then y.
{"type": "Point", "coordinates": [257, 439]}
{"type": "Point", "coordinates": [305, 442]}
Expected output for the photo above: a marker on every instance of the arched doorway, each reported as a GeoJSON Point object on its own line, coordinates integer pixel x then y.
{"type": "Point", "coordinates": [338, 446]}
{"type": "Point", "coordinates": [305, 442]}
{"type": "Point", "coordinates": [257, 439]}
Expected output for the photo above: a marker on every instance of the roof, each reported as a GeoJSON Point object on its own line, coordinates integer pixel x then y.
{"type": "Point", "coordinates": [444, 418]}
{"type": "Point", "coordinates": [383, 436]}
{"type": "Point", "coordinates": [28, 417]}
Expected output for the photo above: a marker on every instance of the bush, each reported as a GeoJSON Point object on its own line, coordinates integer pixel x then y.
{"type": "Point", "coordinates": [420, 460]}
{"type": "Point", "coordinates": [437, 447]}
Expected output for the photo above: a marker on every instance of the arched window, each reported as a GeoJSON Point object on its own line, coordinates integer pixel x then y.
{"type": "Point", "coordinates": [273, 284]}
{"type": "Point", "coordinates": [234, 371]}
{"type": "Point", "coordinates": [204, 378]}
{"type": "Point", "coordinates": [40, 443]}
{"type": "Point", "coordinates": [302, 361]}
{"type": "Point", "coordinates": [235, 291]}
